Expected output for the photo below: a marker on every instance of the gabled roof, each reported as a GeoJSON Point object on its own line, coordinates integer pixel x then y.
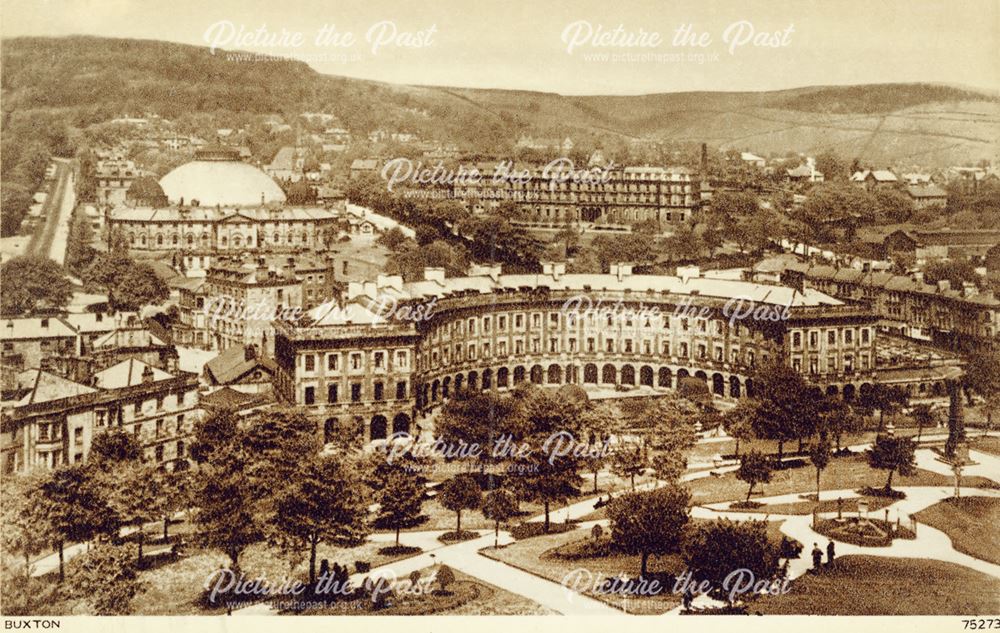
{"type": "Point", "coordinates": [41, 386]}
{"type": "Point", "coordinates": [927, 191]}
{"type": "Point", "coordinates": [129, 337]}
{"type": "Point", "coordinates": [880, 175]}
{"type": "Point", "coordinates": [128, 373]}
{"type": "Point", "coordinates": [26, 328]}
{"type": "Point", "coordinates": [232, 363]}
{"type": "Point", "coordinates": [228, 398]}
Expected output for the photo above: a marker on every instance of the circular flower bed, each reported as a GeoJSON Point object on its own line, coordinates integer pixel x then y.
{"type": "Point", "coordinates": [863, 532]}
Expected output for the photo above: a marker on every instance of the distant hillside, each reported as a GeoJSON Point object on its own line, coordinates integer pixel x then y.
{"type": "Point", "coordinates": [96, 79]}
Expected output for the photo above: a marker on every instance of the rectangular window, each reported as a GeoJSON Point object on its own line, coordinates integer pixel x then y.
{"type": "Point", "coordinates": [332, 362]}
{"type": "Point", "coordinates": [331, 393]}
{"type": "Point", "coordinates": [355, 392]}
{"type": "Point", "coordinates": [355, 361]}
{"type": "Point", "coordinates": [401, 390]}
{"type": "Point", "coordinates": [848, 336]}
{"type": "Point", "coordinates": [310, 395]}
{"type": "Point", "coordinates": [310, 362]}
{"type": "Point", "coordinates": [379, 391]}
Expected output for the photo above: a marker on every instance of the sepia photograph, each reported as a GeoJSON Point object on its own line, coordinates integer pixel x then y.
{"type": "Point", "coordinates": [317, 310]}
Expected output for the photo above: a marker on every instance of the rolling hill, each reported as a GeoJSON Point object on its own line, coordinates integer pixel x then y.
{"type": "Point", "coordinates": [95, 79]}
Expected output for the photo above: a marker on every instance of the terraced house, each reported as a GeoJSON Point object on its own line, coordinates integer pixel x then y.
{"type": "Point", "coordinates": [48, 420]}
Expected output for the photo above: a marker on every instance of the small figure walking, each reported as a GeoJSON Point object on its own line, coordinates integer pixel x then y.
{"type": "Point", "coordinates": [830, 554]}
{"type": "Point", "coordinates": [817, 555]}
{"type": "Point", "coordinates": [687, 598]}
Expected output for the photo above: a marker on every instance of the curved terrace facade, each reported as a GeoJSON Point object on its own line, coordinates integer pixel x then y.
{"type": "Point", "coordinates": [399, 349]}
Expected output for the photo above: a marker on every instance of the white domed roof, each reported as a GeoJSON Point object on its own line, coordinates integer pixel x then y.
{"type": "Point", "coordinates": [220, 182]}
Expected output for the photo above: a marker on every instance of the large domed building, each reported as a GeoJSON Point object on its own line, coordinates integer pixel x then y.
{"type": "Point", "coordinates": [216, 203]}
{"type": "Point", "coordinates": [217, 176]}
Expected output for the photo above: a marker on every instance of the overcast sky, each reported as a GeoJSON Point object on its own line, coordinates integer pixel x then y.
{"type": "Point", "coordinates": [574, 47]}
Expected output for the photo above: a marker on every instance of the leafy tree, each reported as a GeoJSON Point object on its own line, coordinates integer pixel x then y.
{"type": "Point", "coordinates": [31, 284]}
{"type": "Point", "coordinates": [74, 508]}
{"type": "Point", "coordinates": [598, 423]}
{"type": "Point", "coordinates": [739, 421]}
{"type": "Point", "coordinates": [114, 446]}
{"type": "Point", "coordinates": [820, 456]}
{"type": "Point", "coordinates": [982, 375]}
{"type": "Point", "coordinates": [322, 503]}
{"type": "Point", "coordinates": [226, 502]}
{"type": "Point", "coordinates": [893, 454]}
{"type": "Point", "coordinates": [650, 522]}
{"type": "Point", "coordinates": [401, 498]}
{"type": "Point", "coordinates": [755, 468]}
{"type": "Point", "coordinates": [393, 239]}
{"type": "Point", "coordinates": [499, 505]}
{"type": "Point", "coordinates": [211, 433]}
{"type": "Point", "coordinates": [837, 418]}
{"type": "Point", "coordinates": [893, 206]}
{"type": "Point", "coordinates": [176, 490]}
{"type": "Point", "coordinates": [922, 416]}
{"type": "Point", "coordinates": [478, 420]}
{"type": "Point", "coordinates": [107, 578]}
{"type": "Point", "coordinates": [134, 490]}
{"type": "Point", "coordinates": [26, 530]}
{"type": "Point", "coordinates": [787, 408]}
{"type": "Point", "coordinates": [627, 247]}
{"type": "Point", "coordinates": [715, 550]}
{"type": "Point", "coordinates": [628, 460]}
{"type": "Point", "coordinates": [130, 285]}
{"type": "Point", "coordinates": [276, 443]}
{"type": "Point", "coordinates": [445, 577]}
{"type": "Point", "coordinates": [460, 493]}
{"type": "Point", "coordinates": [885, 398]}
{"type": "Point", "coordinates": [411, 260]}
{"type": "Point", "coordinates": [79, 252]}
{"type": "Point", "coordinates": [831, 166]}
{"type": "Point", "coordinates": [547, 477]}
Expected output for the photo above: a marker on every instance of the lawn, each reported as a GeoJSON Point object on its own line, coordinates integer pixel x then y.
{"type": "Point", "coordinates": [989, 445]}
{"type": "Point", "coordinates": [972, 523]}
{"type": "Point", "coordinates": [539, 556]}
{"type": "Point", "coordinates": [874, 585]}
{"type": "Point", "coordinates": [536, 555]}
{"type": "Point", "coordinates": [175, 588]}
{"type": "Point", "coordinates": [848, 473]}
{"type": "Point", "coordinates": [466, 596]}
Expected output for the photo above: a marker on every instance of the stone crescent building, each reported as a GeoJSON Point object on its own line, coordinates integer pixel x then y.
{"type": "Point", "coordinates": [396, 350]}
